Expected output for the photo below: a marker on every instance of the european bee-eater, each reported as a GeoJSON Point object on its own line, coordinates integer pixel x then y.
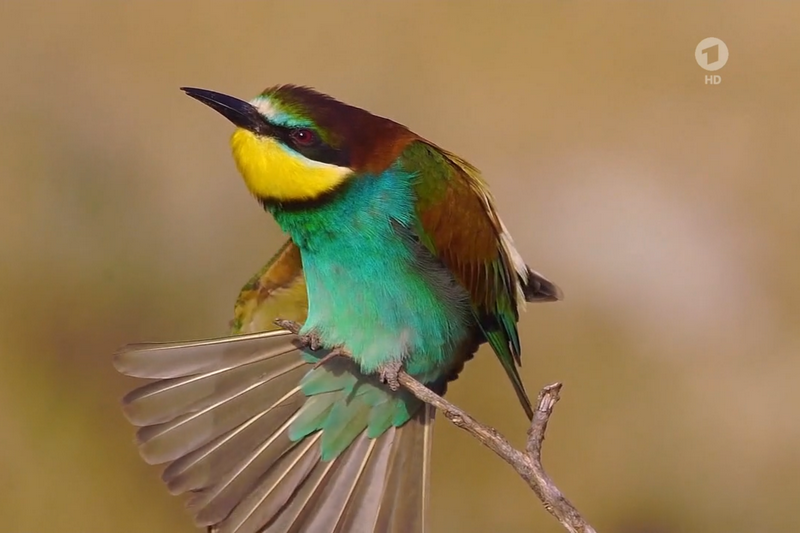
{"type": "Point", "coordinates": [396, 255]}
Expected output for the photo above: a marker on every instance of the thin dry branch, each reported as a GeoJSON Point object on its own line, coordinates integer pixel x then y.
{"type": "Point", "coordinates": [528, 464]}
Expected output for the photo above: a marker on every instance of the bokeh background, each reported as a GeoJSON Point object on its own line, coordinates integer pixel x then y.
{"type": "Point", "coordinates": [668, 211]}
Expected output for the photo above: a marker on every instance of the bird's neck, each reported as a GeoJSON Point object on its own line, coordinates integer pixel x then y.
{"type": "Point", "coordinates": [357, 215]}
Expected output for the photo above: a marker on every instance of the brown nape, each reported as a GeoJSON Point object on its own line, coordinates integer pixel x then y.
{"type": "Point", "coordinates": [372, 142]}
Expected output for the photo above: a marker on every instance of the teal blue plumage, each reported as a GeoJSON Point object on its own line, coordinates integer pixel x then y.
{"type": "Point", "coordinates": [392, 299]}
{"type": "Point", "coordinates": [342, 406]}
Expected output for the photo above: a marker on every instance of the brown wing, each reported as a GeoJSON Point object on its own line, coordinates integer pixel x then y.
{"type": "Point", "coordinates": [277, 290]}
{"type": "Point", "coordinates": [458, 223]}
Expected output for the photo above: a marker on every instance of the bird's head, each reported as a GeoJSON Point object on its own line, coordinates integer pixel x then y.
{"type": "Point", "coordinates": [293, 144]}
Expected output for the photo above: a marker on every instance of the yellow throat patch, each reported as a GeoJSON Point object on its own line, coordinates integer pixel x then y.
{"type": "Point", "coordinates": [272, 171]}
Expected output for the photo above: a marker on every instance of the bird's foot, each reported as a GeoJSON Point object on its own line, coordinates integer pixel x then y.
{"type": "Point", "coordinates": [336, 352]}
{"type": "Point", "coordinates": [288, 325]}
{"type": "Point", "coordinates": [389, 374]}
{"type": "Point", "coordinates": [309, 340]}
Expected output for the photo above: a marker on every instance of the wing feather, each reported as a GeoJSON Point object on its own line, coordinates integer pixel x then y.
{"type": "Point", "coordinates": [220, 412]}
{"type": "Point", "coordinates": [459, 224]}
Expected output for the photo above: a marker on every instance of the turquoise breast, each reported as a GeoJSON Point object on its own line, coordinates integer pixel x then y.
{"type": "Point", "coordinates": [372, 287]}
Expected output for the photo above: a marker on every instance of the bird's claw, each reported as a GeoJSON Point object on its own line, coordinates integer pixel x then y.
{"type": "Point", "coordinates": [311, 341]}
{"type": "Point", "coordinates": [336, 352]}
{"type": "Point", "coordinates": [288, 325]}
{"type": "Point", "coordinates": [308, 340]}
{"type": "Point", "coordinates": [389, 374]}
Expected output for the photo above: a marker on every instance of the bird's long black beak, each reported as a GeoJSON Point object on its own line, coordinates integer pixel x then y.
{"type": "Point", "coordinates": [241, 113]}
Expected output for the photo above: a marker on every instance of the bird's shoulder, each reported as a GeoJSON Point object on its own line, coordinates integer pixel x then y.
{"type": "Point", "coordinates": [458, 222]}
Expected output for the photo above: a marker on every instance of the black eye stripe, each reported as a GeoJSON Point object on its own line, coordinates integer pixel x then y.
{"type": "Point", "coordinates": [318, 150]}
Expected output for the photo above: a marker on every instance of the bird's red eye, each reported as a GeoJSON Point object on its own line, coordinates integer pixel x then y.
{"type": "Point", "coordinates": [303, 136]}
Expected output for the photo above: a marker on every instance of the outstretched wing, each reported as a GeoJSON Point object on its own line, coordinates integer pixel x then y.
{"type": "Point", "coordinates": [459, 224]}
{"type": "Point", "coordinates": [277, 290]}
{"type": "Point", "coordinates": [225, 414]}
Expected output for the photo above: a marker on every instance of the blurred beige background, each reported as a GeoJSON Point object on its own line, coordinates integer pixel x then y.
{"type": "Point", "coordinates": [666, 209]}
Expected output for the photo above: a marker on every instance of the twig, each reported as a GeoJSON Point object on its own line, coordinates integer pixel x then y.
{"type": "Point", "coordinates": [528, 464]}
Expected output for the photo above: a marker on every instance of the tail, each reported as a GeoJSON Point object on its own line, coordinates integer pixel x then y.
{"type": "Point", "coordinates": [538, 288]}
{"type": "Point", "coordinates": [266, 442]}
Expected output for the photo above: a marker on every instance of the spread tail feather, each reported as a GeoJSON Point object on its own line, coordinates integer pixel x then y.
{"type": "Point", "coordinates": [245, 432]}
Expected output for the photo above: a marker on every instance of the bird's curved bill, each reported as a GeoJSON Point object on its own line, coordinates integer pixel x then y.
{"type": "Point", "coordinates": [241, 113]}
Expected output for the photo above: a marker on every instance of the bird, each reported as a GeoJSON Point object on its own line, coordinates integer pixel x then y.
{"type": "Point", "coordinates": [396, 261]}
